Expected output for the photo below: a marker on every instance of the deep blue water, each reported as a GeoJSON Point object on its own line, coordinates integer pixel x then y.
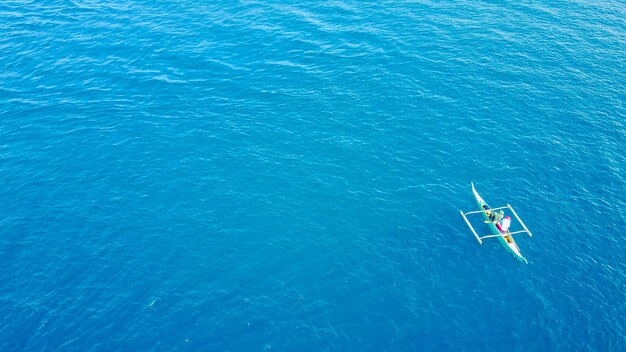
{"type": "Point", "coordinates": [276, 176]}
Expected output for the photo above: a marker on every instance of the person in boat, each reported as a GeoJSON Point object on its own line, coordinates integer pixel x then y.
{"type": "Point", "coordinates": [504, 226]}
{"type": "Point", "coordinates": [492, 215]}
{"type": "Point", "coordinates": [506, 223]}
{"type": "Point", "coordinates": [495, 217]}
{"type": "Point", "coordinates": [489, 212]}
{"type": "Point", "coordinates": [496, 220]}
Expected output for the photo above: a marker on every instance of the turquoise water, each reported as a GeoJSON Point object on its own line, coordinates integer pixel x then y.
{"type": "Point", "coordinates": [274, 176]}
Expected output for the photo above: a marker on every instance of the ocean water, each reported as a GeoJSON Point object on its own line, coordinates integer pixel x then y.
{"type": "Point", "coordinates": [283, 176]}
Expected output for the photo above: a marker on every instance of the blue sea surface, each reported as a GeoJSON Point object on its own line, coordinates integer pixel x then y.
{"type": "Point", "coordinates": [280, 176]}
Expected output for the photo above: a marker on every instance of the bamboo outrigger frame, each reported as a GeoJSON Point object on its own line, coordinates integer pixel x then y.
{"type": "Point", "coordinates": [508, 206]}
{"type": "Point", "coordinates": [505, 238]}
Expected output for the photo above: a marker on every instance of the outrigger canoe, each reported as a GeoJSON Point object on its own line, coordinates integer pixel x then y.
{"type": "Point", "coordinates": [505, 238]}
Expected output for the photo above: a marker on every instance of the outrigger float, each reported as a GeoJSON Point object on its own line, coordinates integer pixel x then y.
{"type": "Point", "coordinates": [505, 238]}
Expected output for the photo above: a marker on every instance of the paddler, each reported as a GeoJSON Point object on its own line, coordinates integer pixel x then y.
{"type": "Point", "coordinates": [498, 216]}
{"type": "Point", "coordinates": [506, 223]}
{"type": "Point", "coordinates": [496, 220]}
